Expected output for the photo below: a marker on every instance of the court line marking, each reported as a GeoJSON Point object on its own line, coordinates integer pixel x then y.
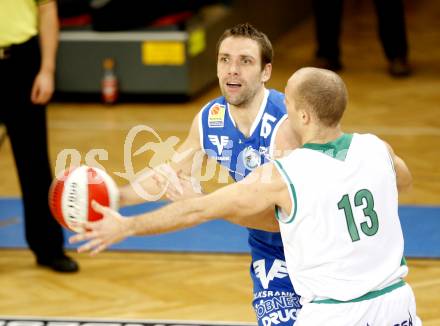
{"type": "Point", "coordinates": [124, 321]}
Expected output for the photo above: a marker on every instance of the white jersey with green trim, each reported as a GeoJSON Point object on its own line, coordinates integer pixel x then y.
{"type": "Point", "coordinates": [343, 237]}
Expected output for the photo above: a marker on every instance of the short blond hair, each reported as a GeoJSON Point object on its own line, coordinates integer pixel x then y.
{"type": "Point", "coordinates": [323, 92]}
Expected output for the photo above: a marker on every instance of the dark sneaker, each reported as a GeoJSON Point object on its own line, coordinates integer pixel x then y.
{"type": "Point", "coordinates": [63, 264]}
{"type": "Point", "coordinates": [399, 67]}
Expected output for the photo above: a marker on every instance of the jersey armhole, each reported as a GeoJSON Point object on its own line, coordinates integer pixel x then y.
{"type": "Point", "coordinates": [391, 162]}
{"type": "Point", "coordinates": [389, 157]}
{"type": "Point", "coordinates": [280, 215]}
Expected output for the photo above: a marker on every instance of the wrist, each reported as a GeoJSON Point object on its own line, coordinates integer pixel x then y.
{"type": "Point", "coordinates": [129, 226]}
{"type": "Point", "coordinates": [47, 69]}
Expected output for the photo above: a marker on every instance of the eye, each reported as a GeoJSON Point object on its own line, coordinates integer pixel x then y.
{"type": "Point", "coordinates": [246, 61]}
{"type": "Point", "coordinates": [224, 59]}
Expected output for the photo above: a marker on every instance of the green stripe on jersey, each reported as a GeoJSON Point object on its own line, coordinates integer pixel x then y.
{"type": "Point", "coordinates": [368, 296]}
{"type": "Point", "coordinates": [292, 195]}
{"type": "Point", "coordinates": [337, 148]}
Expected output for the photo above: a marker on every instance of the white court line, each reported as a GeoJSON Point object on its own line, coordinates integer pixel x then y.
{"type": "Point", "coordinates": [182, 127]}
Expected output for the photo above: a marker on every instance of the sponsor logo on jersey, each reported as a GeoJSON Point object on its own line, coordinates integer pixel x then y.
{"type": "Point", "coordinates": [281, 316]}
{"type": "Point", "coordinates": [278, 270]}
{"type": "Point", "coordinates": [269, 293]}
{"type": "Point", "coordinates": [280, 308]}
{"type": "Point", "coordinates": [251, 158]}
{"type": "Point", "coordinates": [222, 158]}
{"type": "Point", "coordinates": [220, 142]}
{"type": "Point", "coordinates": [216, 116]}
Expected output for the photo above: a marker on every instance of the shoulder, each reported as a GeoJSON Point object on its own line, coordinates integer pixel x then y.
{"type": "Point", "coordinates": [214, 107]}
{"type": "Point", "coordinates": [368, 140]}
{"type": "Point", "coordinates": [219, 101]}
{"type": "Point", "coordinates": [275, 102]}
{"type": "Point", "coordinates": [285, 139]}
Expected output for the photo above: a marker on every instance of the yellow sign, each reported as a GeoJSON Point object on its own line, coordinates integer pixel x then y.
{"type": "Point", "coordinates": [196, 42]}
{"type": "Point", "coordinates": [163, 53]}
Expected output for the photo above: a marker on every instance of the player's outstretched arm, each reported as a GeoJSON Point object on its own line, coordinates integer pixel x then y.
{"type": "Point", "coordinates": [237, 202]}
{"type": "Point", "coordinates": [154, 182]}
{"type": "Point", "coordinates": [403, 175]}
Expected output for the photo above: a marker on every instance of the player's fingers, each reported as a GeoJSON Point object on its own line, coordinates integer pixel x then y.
{"type": "Point", "coordinates": [171, 197]}
{"type": "Point", "coordinates": [183, 176]}
{"type": "Point", "coordinates": [89, 246]}
{"type": "Point", "coordinates": [176, 186]}
{"type": "Point", "coordinates": [173, 192]}
{"type": "Point", "coordinates": [98, 249]}
{"type": "Point", "coordinates": [97, 207]}
{"type": "Point", "coordinates": [76, 238]}
{"type": "Point", "coordinates": [83, 236]}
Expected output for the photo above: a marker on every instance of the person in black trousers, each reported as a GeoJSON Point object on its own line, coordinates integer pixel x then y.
{"type": "Point", "coordinates": [392, 34]}
{"type": "Point", "coordinates": [26, 85]}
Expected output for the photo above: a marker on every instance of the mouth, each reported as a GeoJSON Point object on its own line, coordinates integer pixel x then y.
{"type": "Point", "coordinates": [233, 86]}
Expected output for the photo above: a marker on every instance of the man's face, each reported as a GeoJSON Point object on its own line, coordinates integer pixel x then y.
{"type": "Point", "coordinates": [239, 70]}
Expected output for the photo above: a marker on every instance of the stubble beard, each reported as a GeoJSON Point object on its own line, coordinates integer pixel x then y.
{"type": "Point", "coordinates": [239, 100]}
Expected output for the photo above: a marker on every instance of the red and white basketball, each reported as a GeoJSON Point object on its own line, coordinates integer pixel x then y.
{"type": "Point", "coordinates": [71, 195]}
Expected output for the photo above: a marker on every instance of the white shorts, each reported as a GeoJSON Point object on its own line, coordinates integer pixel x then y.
{"type": "Point", "coordinates": [395, 308]}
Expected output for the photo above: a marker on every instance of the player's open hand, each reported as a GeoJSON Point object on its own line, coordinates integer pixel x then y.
{"type": "Point", "coordinates": [101, 234]}
{"type": "Point", "coordinates": [188, 187]}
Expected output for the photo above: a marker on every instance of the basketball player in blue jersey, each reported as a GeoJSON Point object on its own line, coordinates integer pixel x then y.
{"type": "Point", "coordinates": [240, 130]}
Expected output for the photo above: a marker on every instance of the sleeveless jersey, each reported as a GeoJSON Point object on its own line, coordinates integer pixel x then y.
{"type": "Point", "coordinates": [220, 139]}
{"type": "Point", "coordinates": [343, 237]}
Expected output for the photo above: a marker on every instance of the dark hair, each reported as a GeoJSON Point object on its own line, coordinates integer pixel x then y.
{"type": "Point", "coordinates": [246, 30]}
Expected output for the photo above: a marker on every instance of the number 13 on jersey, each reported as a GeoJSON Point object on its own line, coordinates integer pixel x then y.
{"type": "Point", "coordinates": [362, 197]}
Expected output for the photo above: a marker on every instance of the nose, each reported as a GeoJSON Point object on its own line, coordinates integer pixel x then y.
{"type": "Point", "coordinates": [234, 68]}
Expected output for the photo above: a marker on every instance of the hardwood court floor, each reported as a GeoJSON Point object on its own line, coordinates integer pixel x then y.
{"type": "Point", "coordinates": [404, 112]}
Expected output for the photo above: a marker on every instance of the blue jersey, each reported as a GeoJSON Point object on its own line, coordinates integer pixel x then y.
{"type": "Point", "coordinates": [275, 301]}
{"type": "Point", "coordinates": [221, 140]}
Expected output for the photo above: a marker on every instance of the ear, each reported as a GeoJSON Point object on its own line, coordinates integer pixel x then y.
{"type": "Point", "coordinates": [305, 116]}
{"type": "Point", "coordinates": [267, 71]}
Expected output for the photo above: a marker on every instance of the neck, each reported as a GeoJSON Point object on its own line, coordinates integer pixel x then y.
{"type": "Point", "coordinates": [322, 135]}
{"type": "Point", "coordinates": [244, 115]}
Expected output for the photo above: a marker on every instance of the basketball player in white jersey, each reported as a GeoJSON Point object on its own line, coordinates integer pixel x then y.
{"type": "Point", "coordinates": [336, 200]}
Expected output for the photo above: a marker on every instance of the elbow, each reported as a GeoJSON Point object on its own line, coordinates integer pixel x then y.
{"type": "Point", "coordinates": [405, 185]}
{"type": "Point", "coordinates": [404, 180]}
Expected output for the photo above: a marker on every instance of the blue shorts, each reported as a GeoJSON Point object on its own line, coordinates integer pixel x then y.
{"type": "Point", "coordinates": [275, 301]}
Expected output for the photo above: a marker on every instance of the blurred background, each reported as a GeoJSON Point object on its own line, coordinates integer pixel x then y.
{"type": "Point", "coordinates": [121, 64]}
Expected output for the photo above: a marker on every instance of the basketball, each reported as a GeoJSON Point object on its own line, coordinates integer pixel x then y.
{"type": "Point", "coordinates": [72, 192]}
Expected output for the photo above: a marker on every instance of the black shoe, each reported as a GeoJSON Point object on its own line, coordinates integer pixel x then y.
{"type": "Point", "coordinates": [399, 67]}
{"type": "Point", "coordinates": [63, 264]}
